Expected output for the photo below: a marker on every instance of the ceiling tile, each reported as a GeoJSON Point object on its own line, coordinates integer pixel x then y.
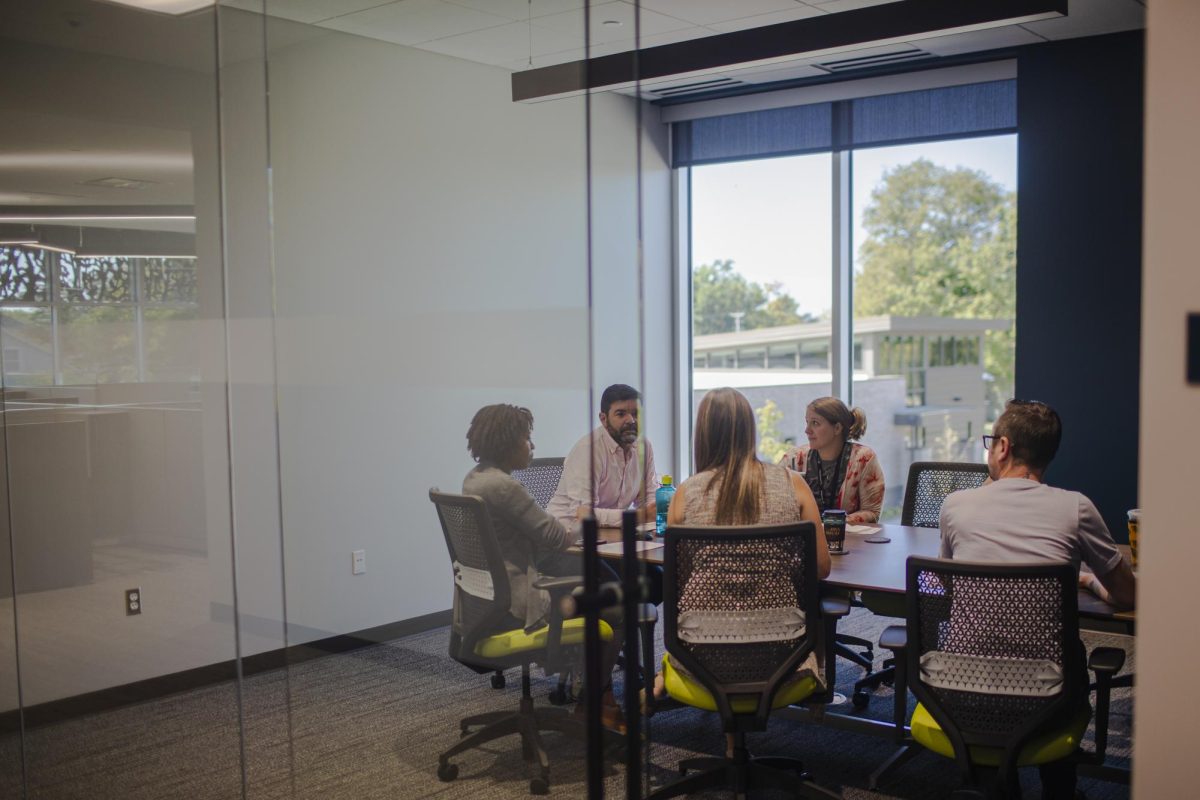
{"type": "Point", "coordinates": [415, 21]}
{"type": "Point", "coordinates": [1093, 18]}
{"type": "Point", "coordinates": [520, 10]}
{"type": "Point", "coordinates": [704, 12]}
{"type": "Point", "coordinates": [975, 41]}
{"type": "Point", "coordinates": [656, 39]}
{"type": "Point", "coordinates": [505, 45]}
{"type": "Point", "coordinates": [607, 48]}
{"type": "Point", "coordinates": [621, 13]}
{"type": "Point", "coordinates": [760, 20]}
{"type": "Point", "coordinates": [303, 10]}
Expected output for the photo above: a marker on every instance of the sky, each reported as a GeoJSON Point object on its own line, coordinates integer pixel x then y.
{"type": "Point", "coordinates": [772, 217]}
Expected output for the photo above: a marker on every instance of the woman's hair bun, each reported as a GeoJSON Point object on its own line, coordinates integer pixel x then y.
{"type": "Point", "coordinates": [858, 428]}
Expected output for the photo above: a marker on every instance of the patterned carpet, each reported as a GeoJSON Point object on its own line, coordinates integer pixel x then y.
{"type": "Point", "coordinates": [370, 724]}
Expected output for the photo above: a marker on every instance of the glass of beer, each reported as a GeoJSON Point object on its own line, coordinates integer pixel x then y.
{"type": "Point", "coordinates": [834, 521]}
{"type": "Point", "coordinates": [1134, 515]}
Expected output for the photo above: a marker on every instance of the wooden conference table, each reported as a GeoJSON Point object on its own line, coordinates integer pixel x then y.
{"type": "Point", "coordinates": [880, 568]}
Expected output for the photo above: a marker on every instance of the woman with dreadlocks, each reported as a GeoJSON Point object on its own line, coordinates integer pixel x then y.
{"type": "Point", "coordinates": [531, 541]}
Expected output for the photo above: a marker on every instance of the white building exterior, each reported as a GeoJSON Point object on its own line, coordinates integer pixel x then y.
{"type": "Point", "coordinates": [920, 381]}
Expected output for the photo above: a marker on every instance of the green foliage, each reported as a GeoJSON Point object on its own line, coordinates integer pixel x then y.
{"type": "Point", "coordinates": [942, 243]}
{"type": "Point", "coordinates": [770, 441]}
{"type": "Point", "coordinates": [718, 292]}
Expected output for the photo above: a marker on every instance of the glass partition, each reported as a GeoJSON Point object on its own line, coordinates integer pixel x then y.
{"type": "Point", "coordinates": [116, 574]}
{"type": "Point", "coordinates": [428, 262]}
{"type": "Point", "coordinates": [262, 265]}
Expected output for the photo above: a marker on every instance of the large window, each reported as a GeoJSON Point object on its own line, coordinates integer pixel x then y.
{"type": "Point", "coordinates": [761, 283]}
{"type": "Point", "coordinates": [74, 320]}
{"type": "Point", "coordinates": [934, 296]}
{"type": "Point", "coordinates": [925, 318]}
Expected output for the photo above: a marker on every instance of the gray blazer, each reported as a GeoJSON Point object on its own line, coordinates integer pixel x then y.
{"type": "Point", "coordinates": [525, 532]}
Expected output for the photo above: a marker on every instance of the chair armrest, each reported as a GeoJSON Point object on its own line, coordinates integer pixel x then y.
{"type": "Point", "coordinates": [1106, 661]}
{"type": "Point", "coordinates": [894, 638]}
{"type": "Point", "coordinates": [835, 606]}
{"type": "Point", "coordinates": [556, 584]}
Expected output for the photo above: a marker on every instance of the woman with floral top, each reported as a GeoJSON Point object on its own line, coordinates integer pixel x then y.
{"type": "Point", "coordinates": [841, 472]}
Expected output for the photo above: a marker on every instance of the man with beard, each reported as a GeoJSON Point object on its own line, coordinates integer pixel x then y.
{"type": "Point", "coordinates": [611, 457]}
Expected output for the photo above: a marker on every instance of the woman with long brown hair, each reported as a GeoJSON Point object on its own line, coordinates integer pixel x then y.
{"type": "Point", "coordinates": [732, 486]}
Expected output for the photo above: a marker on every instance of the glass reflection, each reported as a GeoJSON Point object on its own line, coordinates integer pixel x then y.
{"type": "Point", "coordinates": [115, 420]}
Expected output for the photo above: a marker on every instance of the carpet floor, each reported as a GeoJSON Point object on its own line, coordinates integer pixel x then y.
{"type": "Point", "coordinates": [370, 724]}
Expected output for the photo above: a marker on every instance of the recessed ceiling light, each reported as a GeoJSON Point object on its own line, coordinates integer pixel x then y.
{"type": "Point", "coordinates": [167, 6]}
{"type": "Point", "coordinates": [118, 183]}
{"type": "Point", "coordinates": [39, 246]}
{"type": "Point", "coordinates": [613, 22]}
{"type": "Point", "coordinates": [86, 217]}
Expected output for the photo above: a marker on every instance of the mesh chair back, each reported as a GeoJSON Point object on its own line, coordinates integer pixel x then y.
{"type": "Point", "coordinates": [740, 606]}
{"type": "Point", "coordinates": [541, 478]}
{"type": "Point", "coordinates": [930, 482]}
{"type": "Point", "coordinates": [993, 649]}
{"type": "Point", "coordinates": [481, 590]}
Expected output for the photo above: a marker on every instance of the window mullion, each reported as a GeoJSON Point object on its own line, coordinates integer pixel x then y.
{"type": "Point", "coordinates": [841, 348]}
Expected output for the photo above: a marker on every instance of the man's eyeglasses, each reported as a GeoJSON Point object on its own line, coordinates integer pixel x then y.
{"type": "Point", "coordinates": [987, 442]}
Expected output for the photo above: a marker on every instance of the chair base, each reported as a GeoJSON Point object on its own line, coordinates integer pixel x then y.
{"type": "Point", "coordinates": [872, 681]}
{"type": "Point", "coordinates": [742, 773]}
{"type": "Point", "coordinates": [865, 660]}
{"type": "Point", "coordinates": [528, 722]}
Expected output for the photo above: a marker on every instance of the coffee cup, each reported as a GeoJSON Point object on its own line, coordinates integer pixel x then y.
{"type": "Point", "coordinates": [1134, 515]}
{"type": "Point", "coordinates": [834, 521]}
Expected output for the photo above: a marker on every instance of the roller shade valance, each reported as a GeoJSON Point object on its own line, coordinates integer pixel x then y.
{"type": "Point", "coordinates": [928, 114]}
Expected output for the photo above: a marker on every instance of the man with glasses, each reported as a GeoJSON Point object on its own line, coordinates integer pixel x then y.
{"type": "Point", "coordinates": [1018, 518]}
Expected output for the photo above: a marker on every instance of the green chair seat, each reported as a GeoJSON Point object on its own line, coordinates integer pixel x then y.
{"type": "Point", "coordinates": [518, 641]}
{"type": "Point", "coordinates": [885, 604]}
{"type": "Point", "coordinates": [686, 689]}
{"type": "Point", "coordinates": [1049, 746]}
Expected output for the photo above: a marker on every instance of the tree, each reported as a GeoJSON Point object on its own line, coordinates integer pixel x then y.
{"type": "Point", "coordinates": [942, 242]}
{"type": "Point", "coordinates": [770, 444]}
{"type": "Point", "coordinates": [719, 293]}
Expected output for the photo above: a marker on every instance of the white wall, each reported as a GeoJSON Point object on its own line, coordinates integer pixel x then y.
{"type": "Point", "coordinates": [1166, 713]}
{"type": "Point", "coordinates": [430, 258]}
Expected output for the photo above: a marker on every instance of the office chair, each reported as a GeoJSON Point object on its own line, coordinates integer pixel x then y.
{"type": "Point", "coordinates": [929, 484]}
{"type": "Point", "coordinates": [482, 637]}
{"type": "Point", "coordinates": [741, 614]}
{"type": "Point", "coordinates": [993, 655]}
{"type": "Point", "coordinates": [540, 478]}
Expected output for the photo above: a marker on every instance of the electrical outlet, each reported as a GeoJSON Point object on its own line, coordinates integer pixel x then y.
{"type": "Point", "coordinates": [358, 562]}
{"type": "Point", "coordinates": [133, 601]}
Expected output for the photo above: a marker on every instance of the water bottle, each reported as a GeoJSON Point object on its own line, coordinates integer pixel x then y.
{"type": "Point", "coordinates": [662, 501]}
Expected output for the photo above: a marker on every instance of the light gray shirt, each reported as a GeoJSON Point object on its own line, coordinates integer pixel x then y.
{"type": "Point", "coordinates": [525, 533]}
{"type": "Point", "coordinates": [1017, 520]}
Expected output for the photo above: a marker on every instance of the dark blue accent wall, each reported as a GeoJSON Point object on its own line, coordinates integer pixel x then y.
{"type": "Point", "coordinates": [1079, 255]}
